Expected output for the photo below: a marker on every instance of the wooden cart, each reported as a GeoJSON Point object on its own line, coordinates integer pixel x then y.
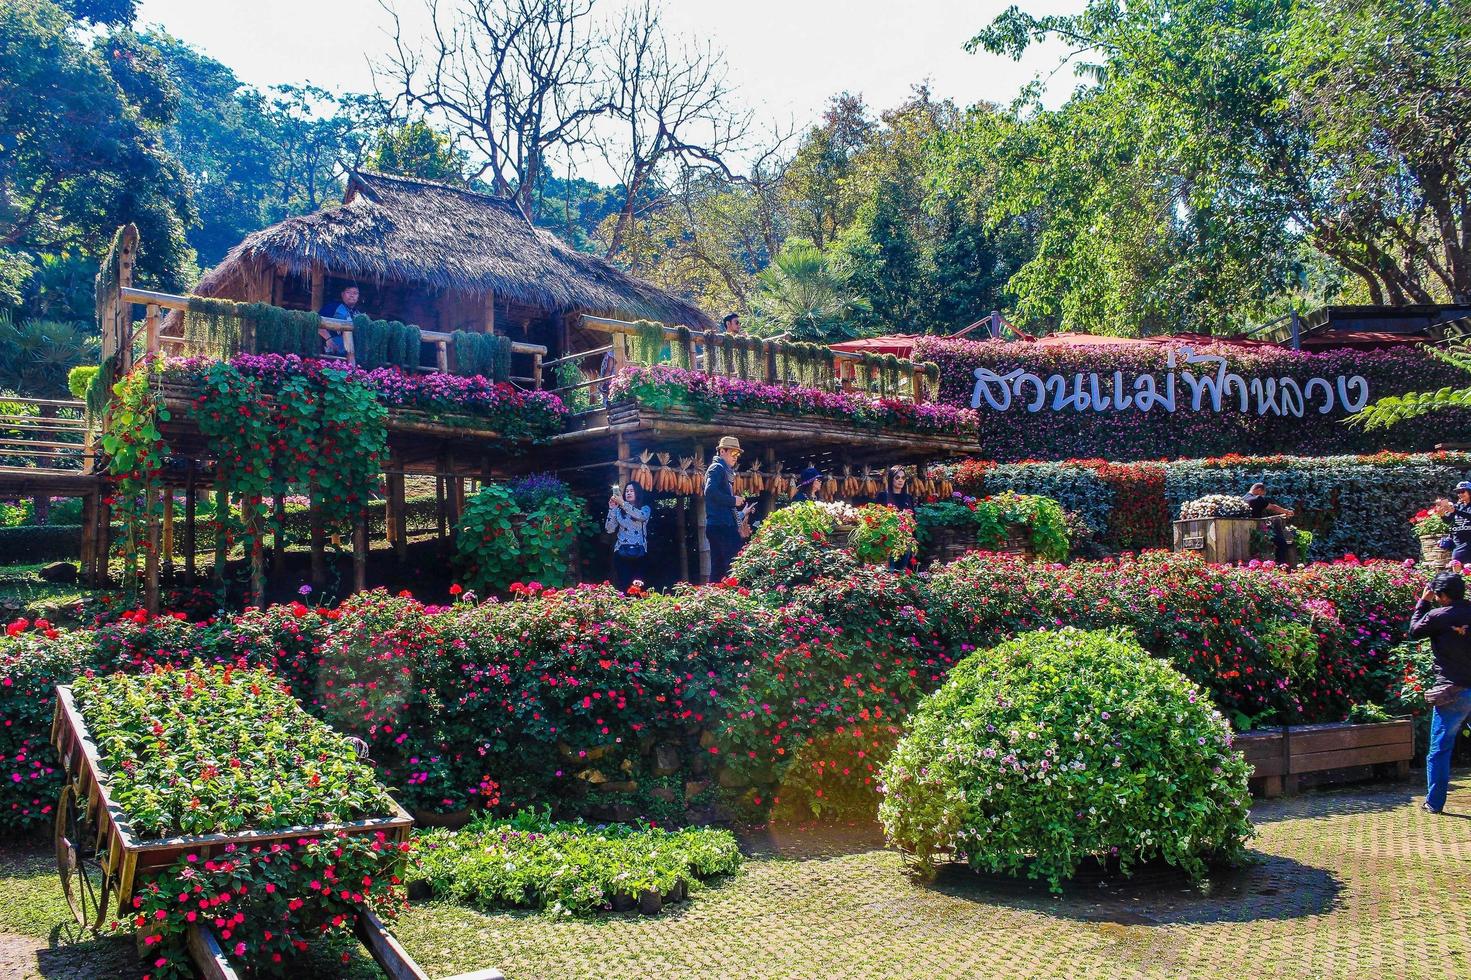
{"type": "Point", "coordinates": [101, 860]}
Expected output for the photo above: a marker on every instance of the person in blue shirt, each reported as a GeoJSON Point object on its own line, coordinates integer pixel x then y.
{"type": "Point", "coordinates": [345, 308]}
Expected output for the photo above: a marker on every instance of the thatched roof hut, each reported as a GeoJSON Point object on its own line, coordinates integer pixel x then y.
{"type": "Point", "coordinates": [440, 256]}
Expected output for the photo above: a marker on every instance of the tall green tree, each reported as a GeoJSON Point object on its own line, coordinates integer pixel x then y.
{"type": "Point", "coordinates": [82, 110]}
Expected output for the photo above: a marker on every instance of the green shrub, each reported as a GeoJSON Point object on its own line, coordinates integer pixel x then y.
{"type": "Point", "coordinates": [79, 379]}
{"type": "Point", "coordinates": [565, 868]}
{"type": "Point", "coordinates": [1059, 746]}
{"type": "Point", "coordinates": [509, 535]}
{"type": "Point", "coordinates": [41, 542]}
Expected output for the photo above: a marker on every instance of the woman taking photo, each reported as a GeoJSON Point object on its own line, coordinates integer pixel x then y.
{"type": "Point", "coordinates": [629, 517]}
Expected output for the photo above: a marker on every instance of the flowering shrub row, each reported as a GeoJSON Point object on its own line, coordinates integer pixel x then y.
{"type": "Point", "coordinates": [1359, 505]}
{"type": "Point", "coordinates": [1155, 434]}
{"type": "Point", "coordinates": [704, 394]}
{"type": "Point", "coordinates": [511, 412]}
{"type": "Point", "coordinates": [788, 697]}
{"type": "Point", "coordinates": [986, 521]}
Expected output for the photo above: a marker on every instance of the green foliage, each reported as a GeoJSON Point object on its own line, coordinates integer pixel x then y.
{"type": "Point", "coordinates": [1368, 714]}
{"type": "Point", "coordinates": [488, 355]}
{"type": "Point", "coordinates": [79, 379]}
{"type": "Point", "coordinates": [212, 327]}
{"type": "Point", "coordinates": [416, 149]}
{"type": "Point", "coordinates": [135, 452]}
{"type": "Point", "coordinates": [82, 109]}
{"type": "Point", "coordinates": [501, 541]}
{"type": "Point", "coordinates": [1390, 409]}
{"type": "Point", "coordinates": [807, 295]}
{"type": "Point", "coordinates": [381, 343]}
{"type": "Point", "coordinates": [647, 344]}
{"type": "Point", "coordinates": [37, 356]}
{"type": "Point", "coordinates": [577, 399]}
{"type": "Point", "coordinates": [565, 868]}
{"type": "Point", "coordinates": [1059, 746]}
{"type": "Point", "coordinates": [52, 541]}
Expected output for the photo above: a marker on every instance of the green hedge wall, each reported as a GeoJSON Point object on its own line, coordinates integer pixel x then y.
{"type": "Point", "coordinates": [35, 543]}
{"type": "Point", "coordinates": [1358, 505]}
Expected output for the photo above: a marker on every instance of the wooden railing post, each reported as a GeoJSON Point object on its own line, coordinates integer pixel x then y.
{"type": "Point", "coordinates": [536, 370]}
{"type": "Point", "coordinates": [150, 330]}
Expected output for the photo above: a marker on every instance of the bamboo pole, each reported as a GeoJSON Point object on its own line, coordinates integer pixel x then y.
{"type": "Point", "coordinates": [398, 526]}
{"type": "Point", "coordinates": [682, 536]}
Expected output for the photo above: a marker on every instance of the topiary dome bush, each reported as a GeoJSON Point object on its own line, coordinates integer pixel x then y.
{"type": "Point", "coordinates": [1058, 746]}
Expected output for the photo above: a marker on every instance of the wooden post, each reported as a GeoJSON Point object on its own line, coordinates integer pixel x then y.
{"type": "Point", "coordinates": [681, 535]}
{"type": "Point", "coordinates": [150, 330]}
{"type": "Point", "coordinates": [768, 496]}
{"type": "Point", "coordinates": [441, 356]}
{"type": "Point", "coordinates": [347, 345]}
{"type": "Point", "coordinates": [89, 537]}
{"type": "Point", "coordinates": [768, 350]}
{"type": "Point", "coordinates": [397, 516]}
{"type": "Point", "coordinates": [250, 508]}
{"type": "Point", "coordinates": [620, 351]}
{"type": "Point", "coordinates": [536, 370]}
{"type": "Point", "coordinates": [490, 313]}
{"type": "Point", "coordinates": [222, 517]}
{"type": "Point", "coordinates": [360, 552]}
{"type": "Point", "coordinates": [439, 496]}
{"type": "Point", "coordinates": [168, 534]}
{"type": "Point", "coordinates": [190, 505]}
{"type": "Point", "coordinates": [150, 560]}
{"type": "Point", "coordinates": [701, 542]}
{"type": "Point", "coordinates": [319, 291]}
{"type": "Point", "coordinates": [103, 551]}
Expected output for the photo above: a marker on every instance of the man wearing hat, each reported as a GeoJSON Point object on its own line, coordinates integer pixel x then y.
{"type": "Point", "coordinates": [1459, 515]}
{"type": "Point", "coordinates": [345, 309]}
{"type": "Point", "coordinates": [807, 483]}
{"type": "Point", "coordinates": [722, 523]}
{"type": "Point", "coordinates": [1263, 507]}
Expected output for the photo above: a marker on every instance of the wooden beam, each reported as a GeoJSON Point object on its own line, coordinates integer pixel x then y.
{"type": "Point", "coordinates": [168, 534]}
{"type": "Point", "coordinates": [319, 287]}
{"type": "Point", "coordinates": [151, 501]}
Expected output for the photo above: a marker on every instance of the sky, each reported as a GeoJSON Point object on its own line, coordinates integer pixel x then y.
{"type": "Point", "coordinates": [787, 57]}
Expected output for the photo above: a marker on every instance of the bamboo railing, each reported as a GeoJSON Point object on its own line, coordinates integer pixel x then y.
{"type": "Point", "coordinates": [156, 341]}
{"type": "Point", "coordinates": [850, 370]}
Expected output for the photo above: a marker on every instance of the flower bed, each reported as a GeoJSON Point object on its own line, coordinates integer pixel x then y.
{"type": "Point", "coordinates": [987, 524]}
{"type": "Point", "coordinates": [662, 387]}
{"type": "Point", "coordinates": [1358, 505]}
{"type": "Point", "coordinates": [450, 399]}
{"type": "Point", "coordinates": [1134, 435]}
{"type": "Point", "coordinates": [215, 760]}
{"type": "Point", "coordinates": [568, 868]}
{"type": "Point", "coordinates": [211, 751]}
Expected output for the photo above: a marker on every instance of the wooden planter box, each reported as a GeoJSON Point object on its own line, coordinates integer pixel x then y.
{"type": "Point", "coordinates": [1219, 540]}
{"type": "Point", "coordinates": [1339, 751]}
{"type": "Point", "coordinates": [1433, 555]}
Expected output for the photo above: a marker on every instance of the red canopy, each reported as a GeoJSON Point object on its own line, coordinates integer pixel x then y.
{"type": "Point", "coordinates": [899, 344]}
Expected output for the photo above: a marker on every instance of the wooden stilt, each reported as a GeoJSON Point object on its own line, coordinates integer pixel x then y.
{"type": "Point", "coordinates": [222, 518]}
{"type": "Point", "coordinates": [89, 537]}
{"type": "Point", "coordinates": [360, 552]}
{"type": "Point", "coordinates": [319, 538]}
{"type": "Point", "coordinates": [151, 500]}
{"type": "Point", "coordinates": [190, 507]}
{"type": "Point", "coordinates": [768, 495]}
{"type": "Point", "coordinates": [168, 535]}
{"type": "Point", "coordinates": [397, 516]}
{"type": "Point", "coordinates": [251, 509]}
{"type": "Point", "coordinates": [681, 535]}
{"type": "Point", "coordinates": [701, 542]}
{"type": "Point", "coordinates": [439, 508]}
{"type": "Point", "coordinates": [103, 553]}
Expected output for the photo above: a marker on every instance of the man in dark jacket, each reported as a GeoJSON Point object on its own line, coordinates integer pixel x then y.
{"type": "Point", "coordinates": [722, 520]}
{"type": "Point", "coordinates": [1443, 616]}
{"type": "Point", "coordinates": [345, 308]}
{"type": "Point", "coordinates": [1263, 507]}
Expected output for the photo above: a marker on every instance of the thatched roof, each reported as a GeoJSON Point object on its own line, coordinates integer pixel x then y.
{"type": "Point", "coordinates": [400, 229]}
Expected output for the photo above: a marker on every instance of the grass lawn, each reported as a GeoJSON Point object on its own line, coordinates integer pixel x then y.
{"type": "Point", "coordinates": [1353, 883]}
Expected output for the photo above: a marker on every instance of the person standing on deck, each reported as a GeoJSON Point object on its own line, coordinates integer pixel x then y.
{"type": "Point", "coordinates": [722, 507]}
{"type": "Point", "coordinates": [1443, 616]}
{"type": "Point", "coordinates": [345, 309]}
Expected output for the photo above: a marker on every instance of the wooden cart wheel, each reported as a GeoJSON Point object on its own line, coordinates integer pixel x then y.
{"type": "Point", "coordinates": [84, 878]}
